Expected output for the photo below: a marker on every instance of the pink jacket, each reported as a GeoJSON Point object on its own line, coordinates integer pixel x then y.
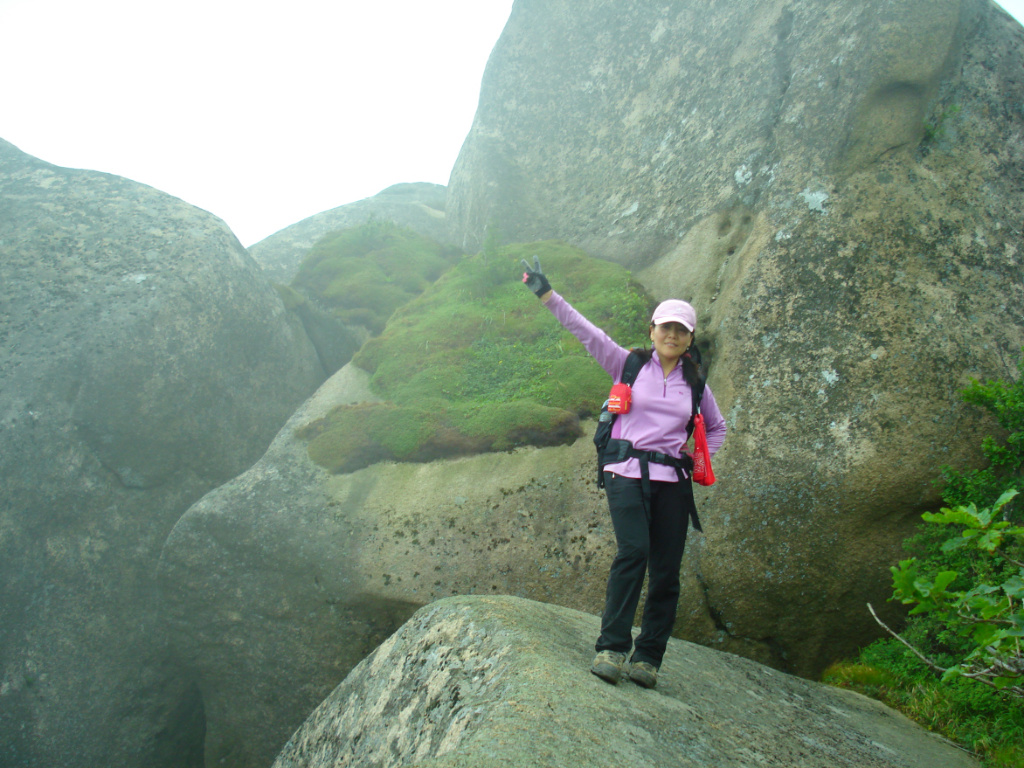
{"type": "Point", "coordinates": [661, 405]}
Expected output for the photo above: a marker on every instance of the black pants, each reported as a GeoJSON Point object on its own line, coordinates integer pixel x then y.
{"type": "Point", "coordinates": [651, 538]}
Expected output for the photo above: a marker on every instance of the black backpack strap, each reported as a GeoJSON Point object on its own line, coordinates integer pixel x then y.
{"type": "Point", "coordinates": [697, 394]}
{"type": "Point", "coordinates": [634, 362]}
{"type": "Point", "coordinates": [620, 450]}
{"type": "Point", "coordinates": [630, 369]}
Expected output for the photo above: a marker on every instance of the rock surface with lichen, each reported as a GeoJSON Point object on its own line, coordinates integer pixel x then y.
{"type": "Point", "coordinates": [143, 361]}
{"type": "Point", "coordinates": [487, 682]}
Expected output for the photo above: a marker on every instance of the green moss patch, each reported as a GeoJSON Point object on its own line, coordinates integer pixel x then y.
{"type": "Point", "coordinates": [362, 274]}
{"type": "Point", "coordinates": [476, 363]}
{"type": "Point", "coordinates": [353, 437]}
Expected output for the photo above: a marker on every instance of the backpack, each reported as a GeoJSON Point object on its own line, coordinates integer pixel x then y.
{"type": "Point", "coordinates": [602, 435]}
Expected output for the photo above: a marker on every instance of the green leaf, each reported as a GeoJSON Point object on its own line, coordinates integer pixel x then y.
{"type": "Point", "coordinates": [958, 515]}
{"type": "Point", "coordinates": [984, 635]}
{"type": "Point", "coordinates": [903, 579]}
{"type": "Point", "coordinates": [994, 609]}
{"type": "Point", "coordinates": [990, 541]}
{"type": "Point", "coordinates": [954, 544]}
{"type": "Point", "coordinates": [951, 674]}
{"type": "Point", "coordinates": [943, 580]}
{"type": "Point", "coordinates": [982, 589]}
{"type": "Point", "coordinates": [1006, 498]}
{"type": "Point", "coordinates": [1014, 587]}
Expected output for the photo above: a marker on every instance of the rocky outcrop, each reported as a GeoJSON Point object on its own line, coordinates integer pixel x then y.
{"type": "Point", "coordinates": [835, 187]}
{"type": "Point", "coordinates": [420, 207]}
{"type": "Point", "coordinates": [625, 127]}
{"type": "Point", "coordinates": [288, 573]}
{"type": "Point", "coordinates": [832, 186]}
{"type": "Point", "coordinates": [143, 361]}
{"type": "Point", "coordinates": [496, 681]}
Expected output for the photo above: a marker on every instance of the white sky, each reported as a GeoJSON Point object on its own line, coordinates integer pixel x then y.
{"type": "Point", "coordinates": [263, 113]}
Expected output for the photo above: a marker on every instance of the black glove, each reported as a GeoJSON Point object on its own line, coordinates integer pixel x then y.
{"type": "Point", "coordinates": [534, 278]}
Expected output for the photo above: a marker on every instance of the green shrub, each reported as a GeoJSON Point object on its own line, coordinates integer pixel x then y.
{"type": "Point", "coordinates": [1004, 400]}
{"type": "Point", "coordinates": [979, 607]}
{"type": "Point", "coordinates": [506, 341]}
{"type": "Point", "coordinates": [966, 579]}
{"type": "Point", "coordinates": [476, 363]}
{"type": "Point", "coordinates": [871, 681]}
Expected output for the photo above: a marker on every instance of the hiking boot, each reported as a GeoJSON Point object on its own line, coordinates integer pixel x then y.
{"type": "Point", "coordinates": [643, 674]}
{"type": "Point", "coordinates": [608, 666]}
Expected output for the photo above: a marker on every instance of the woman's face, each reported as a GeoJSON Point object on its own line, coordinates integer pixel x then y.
{"type": "Point", "coordinates": [670, 340]}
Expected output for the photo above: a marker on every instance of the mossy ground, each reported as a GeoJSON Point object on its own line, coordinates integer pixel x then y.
{"type": "Point", "coordinates": [363, 274]}
{"type": "Point", "coordinates": [476, 363]}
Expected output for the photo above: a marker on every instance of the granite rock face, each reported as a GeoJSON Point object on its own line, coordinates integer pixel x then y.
{"type": "Point", "coordinates": [419, 206]}
{"type": "Point", "coordinates": [143, 361]}
{"type": "Point", "coordinates": [288, 573]}
{"type": "Point", "coordinates": [496, 681]}
{"type": "Point", "coordinates": [621, 127]}
{"type": "Point", "coordinates": [835, 187]}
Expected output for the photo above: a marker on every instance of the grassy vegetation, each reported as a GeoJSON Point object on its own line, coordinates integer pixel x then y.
{"type": "Point", "coordinates": [982, 720]}
{"type": "Point", "coordinates": [363, 274]}
{"type": "Point", "coordinates": [476, 363]}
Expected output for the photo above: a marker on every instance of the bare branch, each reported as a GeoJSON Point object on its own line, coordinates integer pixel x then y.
{"type": "Point", "coordinates": [971, 618]}
{"type": "Point", "coordinates": [914, 650]}
{"type": "Point", "coordinates": [985, 676]}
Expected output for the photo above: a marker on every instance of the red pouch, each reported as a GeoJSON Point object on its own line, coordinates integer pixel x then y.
{"type": "Point", "coordinates": [620, 398]}
{"type": "Point", "coordinates": [702, 472]}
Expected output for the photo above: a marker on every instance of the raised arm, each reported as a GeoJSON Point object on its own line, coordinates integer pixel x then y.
{"type": "Point", "coordinates": [599, 344]}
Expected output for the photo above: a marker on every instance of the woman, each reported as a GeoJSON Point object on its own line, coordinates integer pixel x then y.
{"type": "Point", "coordinates": [650, 516]}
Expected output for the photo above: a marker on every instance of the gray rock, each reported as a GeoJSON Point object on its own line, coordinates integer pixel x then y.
{"type": "Point", "coordinates": [143, 361]}
{"type": "Point", "coordinates": [419, 206]}
{"type": "Point", "coordinates": [835, 187]}
{"type": "Point", "coordinates": [289, 573]}
{"type": "Point", "coordinates": [496, 681]}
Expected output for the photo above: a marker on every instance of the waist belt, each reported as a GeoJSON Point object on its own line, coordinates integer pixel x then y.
{"type": "Point", "coordinates": [619, 450]}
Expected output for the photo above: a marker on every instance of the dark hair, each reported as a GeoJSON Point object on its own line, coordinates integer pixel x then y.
{"type": "Point", "coordinates": [692, 372]}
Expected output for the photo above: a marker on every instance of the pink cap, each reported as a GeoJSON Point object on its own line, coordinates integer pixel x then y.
{"type": "Point", "coordinates": [675, 311]}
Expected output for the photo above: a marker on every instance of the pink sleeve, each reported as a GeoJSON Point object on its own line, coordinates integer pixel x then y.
{"type": "Point", "coordinates": [608, 354]}
{"type": "Point", "coordinates": [714, 422]}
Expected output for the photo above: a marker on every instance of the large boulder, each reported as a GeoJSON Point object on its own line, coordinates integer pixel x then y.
{"type": "Point", "coordinates": [143, 361]}
{"type": "Point", "coordinates": [419, 207]}
{"type": "Point", "coordinates": [836, 188]}
{"type": "Point", "coordinates": [288, 573]}
{"type": "Point", "coordinates": [486, 682]}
